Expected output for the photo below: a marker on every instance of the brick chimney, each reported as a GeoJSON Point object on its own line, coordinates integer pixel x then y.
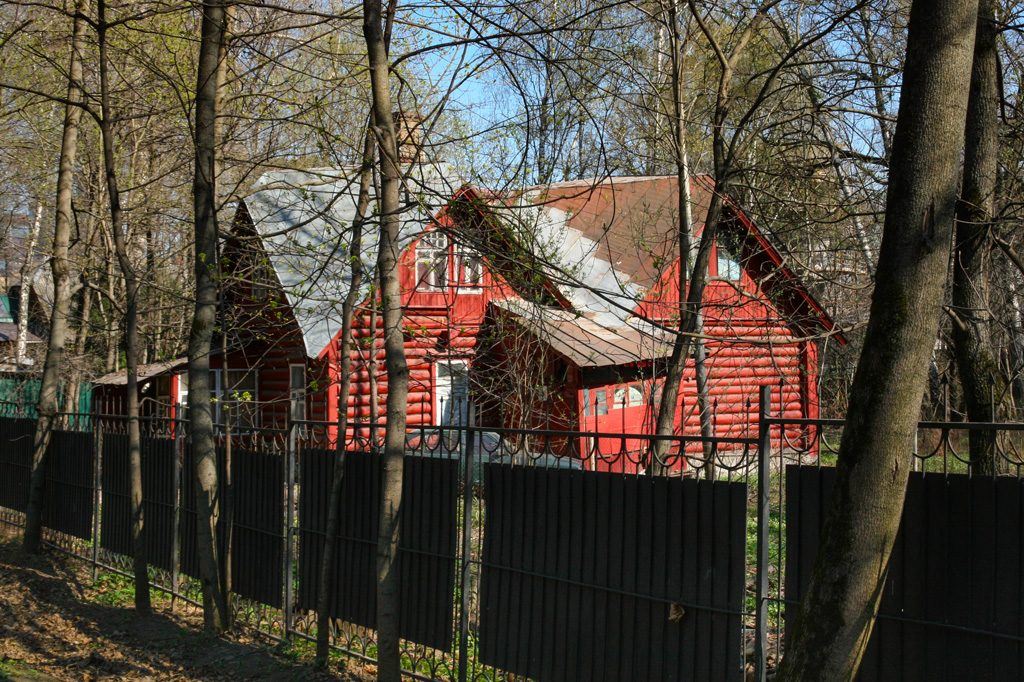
{"type": "Point", "coordinates": [409, 135]}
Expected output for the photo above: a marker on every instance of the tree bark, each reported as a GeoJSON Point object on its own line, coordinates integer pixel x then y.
{"type": "Point", "coordinates": [838, 612]}
{"type": "Point", "coordinates": [60, 268]}
{"type": "Point", "coordinates": [131, 285]}
{"type": "Point", "coordinates": [389, 663]}
{"type": "Point", "coordinates": [325, 596]}
{"type": "Point", "coordinates": [977, 363]}
{"type": "Point", "coordinates": [692, 278]}
{"type": "Point", "coordinates": [216, 615]}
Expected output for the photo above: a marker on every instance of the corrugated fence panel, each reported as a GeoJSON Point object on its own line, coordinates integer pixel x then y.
{"type": "Point", "coordinates": [189, 557]}
{"type": "Point", "coordinates": [427, 553]}
{"type": "Point", "coordinates": [956, 564]}
{"type": "Point", "coordinates": [598, 576]}
{"type": "Point", "coordinates": [157, 497]}
{"type": "Point", "coordinates": [16, 437]}
{"type": "Point", "coordinates": [68, 501]}
{"type": "Point", "coordinates": [257, 541]}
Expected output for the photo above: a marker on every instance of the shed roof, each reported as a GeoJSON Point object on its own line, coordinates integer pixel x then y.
{"type": "Point", "coordinates": [9, 334]}
{"type": "Point", "coordinates": [584, 340]}
{"type": "Point", "coordinates": [146, 372]}
{"type": "Point", "coordinates": [305, 221]}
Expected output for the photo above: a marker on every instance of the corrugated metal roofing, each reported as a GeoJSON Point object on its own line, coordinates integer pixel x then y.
{"type": "Point", "coordinates": [120, 378]}
{"type": "Point", "coordinates": [585, 341]}
{"type": "Point", "coordinates": [305, 219]}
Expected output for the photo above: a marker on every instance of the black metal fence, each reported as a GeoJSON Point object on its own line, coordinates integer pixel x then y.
{"type": "Point", "coordinates": [535, 555]}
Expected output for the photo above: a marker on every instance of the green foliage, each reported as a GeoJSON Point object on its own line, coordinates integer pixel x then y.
{"type": "Point", "coordinates": [114, 589]}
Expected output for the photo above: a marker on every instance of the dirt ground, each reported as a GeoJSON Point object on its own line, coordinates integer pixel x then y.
{"type": "Point", "coordinates": [56, 625]}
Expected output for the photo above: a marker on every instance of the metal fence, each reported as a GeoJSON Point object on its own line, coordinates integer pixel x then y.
{"type": "Point", "coordinates": [547, 555]}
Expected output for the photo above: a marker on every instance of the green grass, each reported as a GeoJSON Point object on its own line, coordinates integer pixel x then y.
{"type": "Point", "coordinates": [115, 589]}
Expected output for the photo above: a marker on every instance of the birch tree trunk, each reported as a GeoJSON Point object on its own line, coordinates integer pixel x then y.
{"type": "Point", "coordinates": [216, 615]}
{"type": "Point", "coordinates": [131, 285]}
{"type": "Point", "coordinates": [325, 595]}
{"type": "Point", "coordinates": [389, 663]}
{"type": "Point", "coordinates": [28, 274]}
{"type": "Point", "coordinates": [976, 360]}
{"type": "Point", "coordinates": [838, 612]}
{"type": "Point", "coordinates": [60, 268]}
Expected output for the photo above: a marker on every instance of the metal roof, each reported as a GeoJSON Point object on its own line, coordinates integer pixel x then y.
{"type": "Point", "coordinates": [9, 333]}
{"type": "Point", "coordinates": [608, 241]}
{"type": "Point", "coordinates": [305, 221]}
{"type": "Point", "coordinates": [146, 372]}
{"type": "Point", "coordinates": [585, 341]}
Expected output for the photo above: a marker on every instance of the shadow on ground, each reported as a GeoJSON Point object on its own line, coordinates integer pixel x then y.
{"type": "Point", "coordinates": [51, 629]}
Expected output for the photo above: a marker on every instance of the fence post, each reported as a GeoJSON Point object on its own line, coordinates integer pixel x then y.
{"type": "Point", "coordinates": [467, 543]}
{"type": "Point", "coordinates": [763, 513]}
{"type": "Point", "coordinates": [97, 482]}
{"type": "Point", "coordinates": [289, 522]}
{"type": "Point", "coordinates": [180, 443]}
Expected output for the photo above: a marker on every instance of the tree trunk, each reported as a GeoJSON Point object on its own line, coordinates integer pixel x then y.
{"type": "Point", "coordinates": [28, 274]}
{"type": "Point", "coordinates": [131, 285]}
{"type": "Point", "coordinates": [837, 614]}
{"type": "Point", "coordinates": [695, 274]}
{"type": "Point", "coordinates": [216, 615]}
{"type": "Point", "coordinates": [389, 663]}
{"type": "Point", "coordinates": [325, 596]}
{"type": "Point", "coordinates": [976, 359]}
{"type": "Point", "coordinates": [59, 266]}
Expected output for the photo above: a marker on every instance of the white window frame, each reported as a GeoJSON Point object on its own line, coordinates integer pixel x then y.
{"type": "Point", "coordinates": [430, 245]}
{"type": "Point", "coordinates": [732, 261]}
{"type": "Point", "coordinates": [223, 375]}
{"type": "Point", "coordinates": [464, 254]}
{"type": "Point", "coordinates": [297, 396]}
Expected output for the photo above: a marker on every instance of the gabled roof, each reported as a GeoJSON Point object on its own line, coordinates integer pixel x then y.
{"type": "Point", "coordinates": [608, 241]}
{"type": "Point", "coordinates": [305, 221]}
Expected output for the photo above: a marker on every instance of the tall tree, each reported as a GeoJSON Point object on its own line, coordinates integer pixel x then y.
{"type": "Point", "coordinates": [837, 615]}
{"type": "Point", "coordinates": [352, 253]}
{"type": "Point", "coordinates": [62, 285]}
{"type": "Point", "coordinates": [977, 364]}
{"type": "Point", "coordinates": [132, 288]}
{"type": "Point", "coordinates": [389, 659]}
{"type": "Point", "coordinates": [216, 614]}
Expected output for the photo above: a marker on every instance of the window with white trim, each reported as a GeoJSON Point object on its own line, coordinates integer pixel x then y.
{"type": "Point", "coordinates": [240, 399]}
{"type": "Point", "coordinates": [297, 391]}
{"type": "Point", "coordinates": [432, 261]}
{"type": "Point", "coordinates": [472, 267]}
{"type": "Point", "coordinates": [728, 265]}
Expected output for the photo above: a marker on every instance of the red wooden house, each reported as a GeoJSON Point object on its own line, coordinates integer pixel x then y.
{"type": "Point", "coordinates": [549, 309]}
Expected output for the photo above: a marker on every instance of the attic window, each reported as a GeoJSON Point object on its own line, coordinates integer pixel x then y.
{"type": "Point", "coordinates": [472, 268]}
{"type": "Point", "coordinates": [432, 261]}
{"type": "Point", "coordinates": [728, 265]}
